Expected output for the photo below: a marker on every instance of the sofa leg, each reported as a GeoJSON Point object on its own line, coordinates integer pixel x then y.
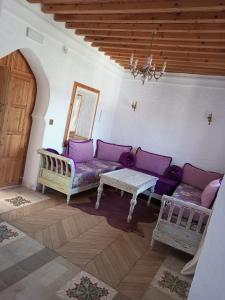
{"type": "Point", "coordinates": [152, 244]}
{"type": "Point", "coordinates": [149, 199]}
{"type": "Point", "coordinates": [43, 189]}
{"type": "Point", "coordinates": [68, 199]}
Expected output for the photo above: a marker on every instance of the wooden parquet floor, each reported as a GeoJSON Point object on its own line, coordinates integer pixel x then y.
{"type": "Point", "coordinates": [122, 260]}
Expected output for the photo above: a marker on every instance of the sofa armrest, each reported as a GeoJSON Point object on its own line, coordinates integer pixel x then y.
{"type": "Point", "coordinates": [57, 163]}
{"type": "Point", "coordinates": [182, 206]}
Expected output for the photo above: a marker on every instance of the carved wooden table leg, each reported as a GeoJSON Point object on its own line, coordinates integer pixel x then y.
{"type": "Point", "coordinates": [100, 190]}
{"type": "Point", "coordinates": [133, 202]}
{"type": "Point", "coordinates": [150, 196]}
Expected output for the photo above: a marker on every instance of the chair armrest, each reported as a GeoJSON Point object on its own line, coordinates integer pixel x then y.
{"type": "Point", "coordinates": [180, 203]}
{"type": "Point", "coordinates": [57, 163]}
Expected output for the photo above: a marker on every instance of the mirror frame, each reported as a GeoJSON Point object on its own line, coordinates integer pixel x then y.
{"type": "Point", "coordinates": [72, 101]}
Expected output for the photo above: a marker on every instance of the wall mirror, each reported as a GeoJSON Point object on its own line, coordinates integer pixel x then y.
{"type": "Point", "coordinates": [82, 111]}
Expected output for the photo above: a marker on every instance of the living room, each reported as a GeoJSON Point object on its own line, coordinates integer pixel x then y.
{"type": "Point", "coordinates": [180, 116]}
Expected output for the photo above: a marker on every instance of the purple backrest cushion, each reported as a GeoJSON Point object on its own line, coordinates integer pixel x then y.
{"type": "Point", "coordinates": [80, 151]}
{"type": "Point", "coordinates": [197, 177]}
{"type": "Point", "coordinates": [152, 162]}
{"type": "Point", "coordinates": [174, 172]}
{"type": "Point", "coordinates": [127, 159]}
{"type": "Point", "coordinates": [109, 151]}
{"type": "Point", "coordinates": [209, 194]}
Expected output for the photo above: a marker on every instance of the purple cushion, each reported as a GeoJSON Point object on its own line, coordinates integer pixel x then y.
{"type": "Point", "coordinates": [109, 151]}
{"type": "Point", "coordinates": [197, 177]}
{"type": "Point", "coordinates": [209, 194]}
{"type": "Point", "coordinates": [80, 151]}
{"type": "Point", "coordinates": [165, 186]}
{"type": "Point", "coordinates": [52, 150]}
{"type": "Point", "coordinates": [174, 173]}
{"type": "Point", "coordinates": [152, 162]}
{"type": "Point", "coordinates": [127, 159]}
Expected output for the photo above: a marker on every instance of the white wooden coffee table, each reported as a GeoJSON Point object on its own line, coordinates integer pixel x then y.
{"type": "Point", "coordinates": [127, 180]}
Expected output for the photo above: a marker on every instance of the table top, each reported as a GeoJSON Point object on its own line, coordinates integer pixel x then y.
{"type": "Point", "coordinates": [129, 177]}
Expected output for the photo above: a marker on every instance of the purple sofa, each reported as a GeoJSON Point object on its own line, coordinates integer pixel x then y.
{"type": "Point", "coordinates": [160, 166]}
{"type": "Point", "coordinates": [198, 186]}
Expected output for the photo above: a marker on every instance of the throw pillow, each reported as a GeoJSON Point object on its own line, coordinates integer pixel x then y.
{"type": "Point", "coordinates": [209, 194]}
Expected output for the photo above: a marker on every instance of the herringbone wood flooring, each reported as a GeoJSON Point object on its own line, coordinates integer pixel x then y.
{"type": "Point", "coordinates": [122, 260]}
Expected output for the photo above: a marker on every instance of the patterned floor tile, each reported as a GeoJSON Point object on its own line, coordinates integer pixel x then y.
{"type": "Point", "coordinates": [18, 201]}
{"type": "Point", "coordinates": [9, 234]}
{"type": "Point", "coordinates": [86, 286]}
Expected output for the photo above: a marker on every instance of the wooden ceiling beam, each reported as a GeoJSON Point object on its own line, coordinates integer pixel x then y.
{"type": "Point", "coordinates": [207, 37]}
{"type": "Point", "coordinates": [161, 6]}
{"type": "Point", "coordinates": [193, 17]}
{"type": "Point", "coordinates": [161, 48]}
{"type": "Point", "coordinates": [159, 64]}
{"type": "Point", "coordinates": [164, 54]}
{"type": "Point", "coordinates": [189, 44]}
{"type": "Point", "coordinates": [172, 60]}
{"type": "Point", "coordinates": [191, 28]}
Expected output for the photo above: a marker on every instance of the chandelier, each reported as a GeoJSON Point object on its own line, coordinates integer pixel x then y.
{"type": "Point", "coordinates": [147, 71]}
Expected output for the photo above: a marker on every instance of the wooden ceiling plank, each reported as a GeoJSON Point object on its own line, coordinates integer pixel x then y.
{"type": "Point", "coordinates": [217, 37]}
{"type": "Point", "coordinates": [137, 7]}
{"type": "Point", "coordinates": [172, 63]}
{"type": "Point", "coordinates": [195, 44]}
{"type": "Point", "coordinates": [193, 17]}
{"type": "Point", "coordinates": [161, 48]}
{"type": "Point", "coordinates": [164, 54]}
{"type": "Point", "coordinates": [168, 59]}
{"type": "Point", "coordinates": [195, 28]}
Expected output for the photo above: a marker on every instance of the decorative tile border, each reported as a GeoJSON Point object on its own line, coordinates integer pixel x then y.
{"type": "Point", "coordinates": [85, 286]}
{"type": "Point", "coordinates": [172, 284]}
{"type": "Point", "coordinates": [18, 201]}
{"type": "Point", "coordinates": [8, 234]}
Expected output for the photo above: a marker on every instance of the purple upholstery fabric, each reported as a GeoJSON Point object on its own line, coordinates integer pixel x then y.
{"type": "Point", "coordinates": [127, 159]}
{"type": "Point", "coordinates": [174, 173]}
{"type": "Point", "coordinates": [152, 162]}
{"type": "Point", "coordinates": [198, 177]}
{"type": "Point", "coordinates": [188, 193]}
{"type": "Point", "coordinates": [52, 150]}
{"type": "Point", "coordinates": [210, 192]}
{"type": "Point", "coordinates": [88, 172]}
{"type": "Point", "coordinates": [164, 186]}
{"type": "Point", "coordinates": [109, 151]}
{"type": "Point", "coordinates": [80, 151]}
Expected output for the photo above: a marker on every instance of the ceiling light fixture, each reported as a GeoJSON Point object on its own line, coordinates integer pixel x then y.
{"type": "Point", "coordinates": [148, 71]}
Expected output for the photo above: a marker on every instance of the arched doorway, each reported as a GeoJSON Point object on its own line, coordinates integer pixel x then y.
{"type": "Point", "coordinates": [17, 100]}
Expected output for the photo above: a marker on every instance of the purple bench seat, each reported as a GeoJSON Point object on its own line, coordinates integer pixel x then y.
{"type": "Point", "coordinates": [88, 172]}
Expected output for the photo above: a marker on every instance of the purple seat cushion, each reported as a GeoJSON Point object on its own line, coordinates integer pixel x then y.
{"type": "Point", "coordinates": [80, 151]}
{"type": "Point", "coordinates": [188, 193]}
{"type": "Point", "coordinates": [152, 162]}
{"type": "Point", "coordinates": [88, 172]}
{"type": "Point", "coordinates": [209, 194]}
{"type": "Point", "coordinates": [197, 177]}
{"type": "Point", "coordinates": [127, 159]}
{"type": "Point", "coordinates": [109, 151]}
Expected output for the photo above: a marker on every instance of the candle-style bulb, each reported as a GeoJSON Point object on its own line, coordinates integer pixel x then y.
{"type": "Point", "coordinates": [149, 60]}
{"type": "Point", "coordinates": [131, 58]}
{"type": "Point", "coordinates": [164, 67]}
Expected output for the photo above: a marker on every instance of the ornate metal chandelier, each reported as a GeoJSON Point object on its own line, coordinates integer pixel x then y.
{"type": "Point", "coordinates": [148, 71]}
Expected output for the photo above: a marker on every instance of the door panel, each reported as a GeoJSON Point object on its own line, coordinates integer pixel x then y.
{"type": "Point", "coordinates": [17, 98]}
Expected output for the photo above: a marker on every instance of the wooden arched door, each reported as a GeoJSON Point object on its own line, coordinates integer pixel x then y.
{"type": "Point", "coordinates": [17, 99]}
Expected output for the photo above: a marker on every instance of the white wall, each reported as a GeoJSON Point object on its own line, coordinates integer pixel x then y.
{"type": "Point", "coordinates": [82, 63]}
{"type": "Point", "coordinates": [171, 119]}
{"type": "Point", "coordinates": [209, 277]}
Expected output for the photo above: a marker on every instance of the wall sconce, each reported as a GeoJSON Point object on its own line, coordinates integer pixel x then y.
{"type": "Point", "coordinates": [209, 118]}
{"type": "Point", "coordinates": [134, 105]}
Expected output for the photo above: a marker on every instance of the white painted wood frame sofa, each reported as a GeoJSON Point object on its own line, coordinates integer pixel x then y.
{"type": "Point", "coordinates": [178, 231]}
{"type": "Point", "coordinates": [57, 172]}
